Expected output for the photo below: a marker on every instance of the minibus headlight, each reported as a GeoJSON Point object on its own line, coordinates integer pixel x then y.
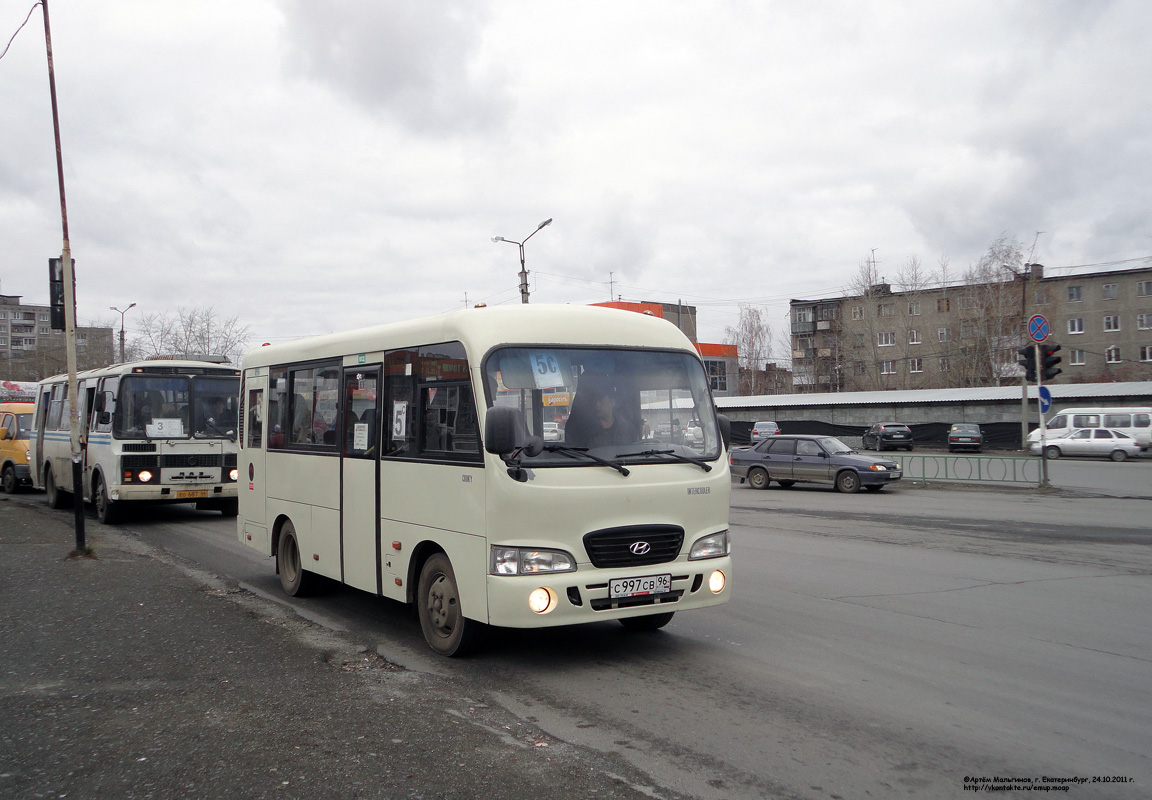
{"type": "Point", "coordinates": [523, 561]}
{"type": "Point", "coordinates": [712, 546]}
{"type": "Point", "coordinates": [145, 476]}
{"type": "Point", "coordinates": [233, 474]}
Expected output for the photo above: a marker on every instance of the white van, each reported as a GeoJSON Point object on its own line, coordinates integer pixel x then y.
{"type": "Point", "coordinates": [1136, 421]}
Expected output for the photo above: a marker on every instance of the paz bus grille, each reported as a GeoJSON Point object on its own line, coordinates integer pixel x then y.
{"type": "Point", "coordinates": [634, 545]}
{"type": "Point", "coordinates": [183, 460]}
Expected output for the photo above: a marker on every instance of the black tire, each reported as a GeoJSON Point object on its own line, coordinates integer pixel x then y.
{"type": "Point", "coordinates": [231, 507]}
{"type": "Point", "coordinates": [848, 482]}
{"type": "Point", "coordinates": [294, 579]}
{"type": "Point", "coordinates": [758, 478]}
{"type": "Point", "coordinates": [106, 510]}
{"type": "Point", "coordinates": [1118, 455]}
{"type": "Point", "coordinates": [875, 488]}
{"type": "Point", "coordinates": [8, 480]}
{"type": "Point", "coordinates": [56, 497]}
{"type": "Point", "coordinates": [787, 484]}
{"type": "Point", "coordinates": [1052, 452]}
{"type": "Point", "coordinates": [442, 619]}
{"type": "Point", "coordinates": [649, 622]}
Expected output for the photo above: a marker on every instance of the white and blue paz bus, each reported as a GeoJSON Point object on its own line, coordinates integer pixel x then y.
{"type": "Point", "coordinates": [517, 466]}
{"type": "Point", "coordinates": [159, 431]}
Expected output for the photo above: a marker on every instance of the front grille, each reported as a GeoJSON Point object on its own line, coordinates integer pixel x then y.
{"type": "Point", "coordinates": [608, 603]}
{"type": "Point", "coordinates": [618, 547]}
{"type": "Point", "coordinates": [138, 462]}
{"type": "Point", "coordinates": [229, 460]}
{"type": "Point", "coordinates": [143, 447]}
{"type": "Point", "coordinates": [184, 460]}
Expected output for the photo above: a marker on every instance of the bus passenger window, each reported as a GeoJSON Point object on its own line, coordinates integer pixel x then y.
{"type": "Point", "coordinates": [255, 430]}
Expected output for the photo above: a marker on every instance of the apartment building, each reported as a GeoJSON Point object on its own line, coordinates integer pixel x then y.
{"type": "Point", "coordinates": [968, 335]}
{"type": "Point", "coordinates": [30, 350]}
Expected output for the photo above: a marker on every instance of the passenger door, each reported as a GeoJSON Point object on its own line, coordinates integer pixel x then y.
{"type": "Point", "coordinates": [360, 479]}
{"type": "Point", "coordinates": [778, 455]}
{"type": "Point", "coordinates": [810, 462]}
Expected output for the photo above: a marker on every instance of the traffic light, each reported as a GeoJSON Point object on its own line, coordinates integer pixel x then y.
{"type": "Point", "coordinates": [1029, 361]}
{"type": "Point", "coordinates": [56, 292]}
{"type": "Point", "coordinates": [1049, 360]}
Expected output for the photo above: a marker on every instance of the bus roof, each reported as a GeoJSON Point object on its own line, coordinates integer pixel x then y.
{"type": "Point", "coordinates": [151, 365]}
{"type": "Point", "coordinates": [481, 329]}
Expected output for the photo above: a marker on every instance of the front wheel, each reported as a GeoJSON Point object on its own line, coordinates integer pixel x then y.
{"type": "Point", "coordinates": [848, 482]}
{"type": "Point", "coordinates": [758, 479]}
{"type": "Point", "coordinates": [52, 493]}
{"type": "Point", "coordinates": [294, 579]}
{"type": "Point", "coordinates": [1052, 452]}
{"type": "Point", "coordinates": [442, 619]}
{"type": "Point", "coordinates": [650, 622]}
{"type": "Point", "coordinates": [9, 480]}
{"type": "Point", "coordinates": [106, 510]}
{"type": "Point", "coordinates": [1118, 455]}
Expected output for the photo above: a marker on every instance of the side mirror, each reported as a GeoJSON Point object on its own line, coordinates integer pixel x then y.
{"type": "Point", "coordinates": [105, 418]}
{"type": "Point", "coordinates": [725, 430]}
{"type": "Point", "coordinates": [501, 425]}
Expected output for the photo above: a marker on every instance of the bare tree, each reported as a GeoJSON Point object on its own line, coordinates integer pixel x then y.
{"type": "Point", "coordinates": [191, 333]}
{"type": "Point", "coordinates": [752, 336]}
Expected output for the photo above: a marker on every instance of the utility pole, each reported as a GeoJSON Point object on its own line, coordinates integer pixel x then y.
{"type": "Point", "coordinates": [523, 269]}
{"type": "Point", "coordinates": [75, 403]}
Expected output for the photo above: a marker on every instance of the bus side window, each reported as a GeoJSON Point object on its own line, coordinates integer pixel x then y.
{"type": "Point", "coordinates": [1141, 420]}
{"type": "Point", "coordinates": [255, 433]}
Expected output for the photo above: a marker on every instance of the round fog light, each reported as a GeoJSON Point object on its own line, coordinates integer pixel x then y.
{"type": "Point", "coordinates": [716, 582]}
{"type": "Point", "coordinates": [541, 600]}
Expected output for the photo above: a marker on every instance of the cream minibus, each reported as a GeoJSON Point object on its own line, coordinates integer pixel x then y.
{"type": "Point", "coordinates": [1136, 421]}
{"type": "Point", "coordinates": [409, 460]}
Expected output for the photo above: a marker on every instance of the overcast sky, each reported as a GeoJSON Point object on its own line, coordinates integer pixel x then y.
{"type": "Point", "coordinates": [315, 166]}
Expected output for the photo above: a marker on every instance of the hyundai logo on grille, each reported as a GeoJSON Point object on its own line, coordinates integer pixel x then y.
{"type": "Point", "coordinates": [639, 548]}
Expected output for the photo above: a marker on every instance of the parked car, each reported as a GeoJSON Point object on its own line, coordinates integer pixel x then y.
{"type": "Point", "coordinates": [790, 459]}
{"type": "Point", "coordinates": [965, 436]}
{"type": "Point", "coordinates": [1101, 442]}
{"type": "Point", "coordinates": [762, 430]}
{"type": "Point", "coordinates": [884, 435]}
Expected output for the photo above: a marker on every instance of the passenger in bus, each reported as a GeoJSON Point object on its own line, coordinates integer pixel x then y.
{"type": "Point", "coordinates": [596, 420]}
{"type": "Point", "coordinates": [276, 440]}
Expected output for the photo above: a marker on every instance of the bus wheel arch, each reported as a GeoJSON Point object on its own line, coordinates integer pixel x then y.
{"type": "Point", "coordinates": [294, 578]}
{"type": "Point", "coordinates": [106, 509]}
{"type": "Point", "coordinates": [56, 497]}
{"type": "Point", "coordinates": [442, 620]}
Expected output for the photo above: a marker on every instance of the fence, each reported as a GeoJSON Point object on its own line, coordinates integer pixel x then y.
{"type": "Point", "coordinates": [1012, 470]}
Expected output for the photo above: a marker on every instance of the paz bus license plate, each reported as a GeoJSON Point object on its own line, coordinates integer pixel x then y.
{"type": "Point", "coordinates": [636, 587]}
{"type": "Point", "coordinates": [192, 493]}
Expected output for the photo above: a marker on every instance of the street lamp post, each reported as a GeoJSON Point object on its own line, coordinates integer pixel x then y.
{"type": "Point", "coordinates": [122, 313]}
{"type": "Point", "coordinates": [523, 270]}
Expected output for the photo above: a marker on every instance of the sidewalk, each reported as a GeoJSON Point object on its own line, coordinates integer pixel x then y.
{"type": "Point", "coordinates": [129, 676]}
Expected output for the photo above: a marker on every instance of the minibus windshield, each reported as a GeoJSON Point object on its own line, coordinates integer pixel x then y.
{"type": "Point", "coordinates": [628, 406]}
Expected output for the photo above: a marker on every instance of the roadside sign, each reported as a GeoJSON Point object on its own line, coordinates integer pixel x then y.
{"type": "Point", "coordinates": [1045, 399]}
{"type": "Point", "coordinates": [1038, 327]}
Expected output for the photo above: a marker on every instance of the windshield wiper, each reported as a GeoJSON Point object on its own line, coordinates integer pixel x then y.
{"type": "Point", "coordinates": [229, 433]}
{"type": "Point", "coordinates": [686, 459]}
{"type": "Point", "coordinates": [583, 451]}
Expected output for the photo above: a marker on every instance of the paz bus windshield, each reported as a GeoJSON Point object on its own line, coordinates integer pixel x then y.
{"type": "Point", "coordinates": [176, 407]}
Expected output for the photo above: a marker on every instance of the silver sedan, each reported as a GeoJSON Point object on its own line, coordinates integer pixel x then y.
{"type": "Point", "coordinates": [1100, 442]}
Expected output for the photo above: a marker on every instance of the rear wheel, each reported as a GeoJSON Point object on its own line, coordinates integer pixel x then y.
{"type": "Point", "coordinates": [9, 479]}
{"type": "Point", "coordinates": [106, 510]}
{"type": "Point", "coordinates": [295, 580]}
{"type": "Point", "coordinates": [651, 622]}
{"type": "Point", "coordinates": [442, 619]}
{"type": "Point", "coordinates": [1118, 455]}
{"type": "Point", "coordinates": [848, 482]}
{"type": "Point", "coordinates": [758, 479]}
{"type": "Point", "coordinates": [1052, 451]}
{"type": "Point", "coordinates": [52, 493]}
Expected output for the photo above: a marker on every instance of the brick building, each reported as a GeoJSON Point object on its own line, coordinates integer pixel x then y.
{"type": "Point", "coordinates": [30, 350]}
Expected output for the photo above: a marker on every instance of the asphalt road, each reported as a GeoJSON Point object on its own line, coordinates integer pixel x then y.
{"type": "Point", "coordinates": [887, 645]}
